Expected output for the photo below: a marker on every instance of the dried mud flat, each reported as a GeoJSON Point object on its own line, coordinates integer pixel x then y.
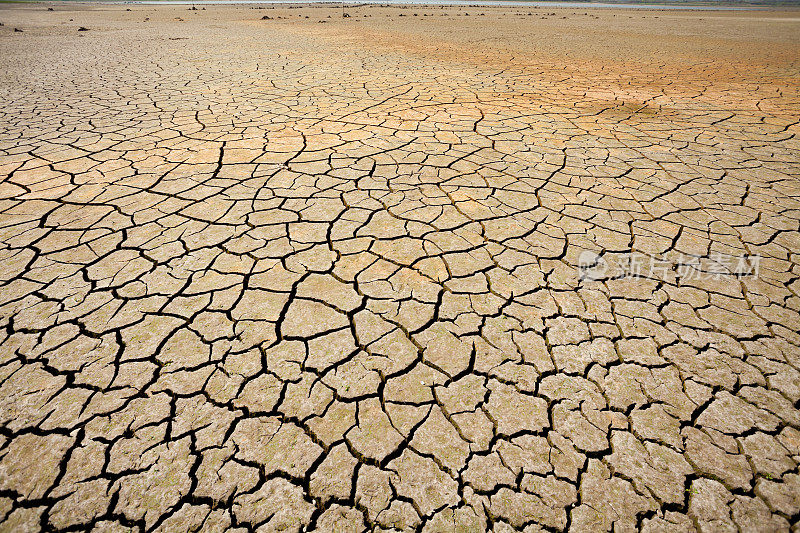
{"type": "Point", "coordinates": [284, 275]}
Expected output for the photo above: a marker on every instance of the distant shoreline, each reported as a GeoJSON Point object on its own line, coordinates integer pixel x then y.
{"type": "Point", "coordinates": [610, 4]}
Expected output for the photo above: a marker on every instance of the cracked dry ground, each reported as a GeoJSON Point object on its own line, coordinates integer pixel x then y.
{"type": "Point", "coordinates": [286, 276]}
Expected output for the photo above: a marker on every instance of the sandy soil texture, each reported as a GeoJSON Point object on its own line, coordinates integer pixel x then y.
{"type": "Point", "coordinates": [413, 269]}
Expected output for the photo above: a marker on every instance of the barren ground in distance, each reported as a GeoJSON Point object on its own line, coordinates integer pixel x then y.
{"type": "Point", "coordinates": [317, 272]}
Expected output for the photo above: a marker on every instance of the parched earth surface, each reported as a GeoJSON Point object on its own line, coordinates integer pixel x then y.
{"type": "Point", "coordinates": [282, 275]}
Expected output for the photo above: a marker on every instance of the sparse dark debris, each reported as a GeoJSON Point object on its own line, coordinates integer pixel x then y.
{"type": "Point", "coordinates": [83, 28]}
